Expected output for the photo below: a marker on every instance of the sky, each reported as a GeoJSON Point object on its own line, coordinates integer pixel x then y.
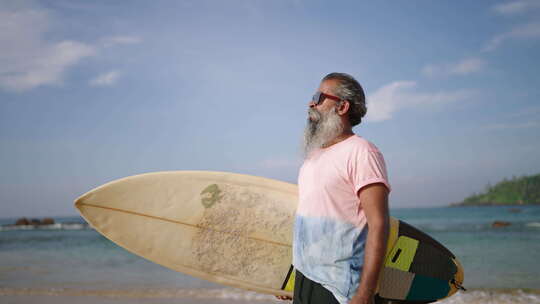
{"type": "Point", "coordinates": [93, 91]}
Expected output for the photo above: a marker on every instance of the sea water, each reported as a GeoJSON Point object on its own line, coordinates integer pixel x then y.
{"type": "Point", "coordinates": [73, 257]}
{"type": "Point", "coordinates": [503, 257]}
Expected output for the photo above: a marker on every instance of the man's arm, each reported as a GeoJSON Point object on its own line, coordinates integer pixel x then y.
{"type": "Point", "coordinates": [374, 200]}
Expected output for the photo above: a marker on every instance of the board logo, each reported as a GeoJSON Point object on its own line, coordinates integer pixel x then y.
{"type": "Point", "coordinates": [210, 195]}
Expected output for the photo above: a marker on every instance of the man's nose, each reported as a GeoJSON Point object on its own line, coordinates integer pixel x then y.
{"type": "Point", "coordinates": [311, 104]}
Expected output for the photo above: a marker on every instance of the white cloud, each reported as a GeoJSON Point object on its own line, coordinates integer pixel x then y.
{"type": "Point", "coordinates": [463, 67]}
{"type": "Point", "coordinates": [26, 59]}
{"type": "Point", "coordinates": [467, 66]}
{"type": "Point", "coordinates": [527, 31]}
{"type": "Point", "coordinates": [516, 7]}
{"type": "Point", "coordinates": [385, 101]}
{"type": "Point", "coordinates": [115, 40]}
{"type": "Point", "coordinates": [106, 79]}
{"type": "Point", "coordinates": [391, 98]}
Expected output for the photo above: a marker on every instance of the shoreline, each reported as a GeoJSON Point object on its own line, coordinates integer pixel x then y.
{"type": "Point", "coordinates": [150, 295]}
{"type": "Point", "coordinates": [24, 299]}
{"type": "Point", "coordinates": [226, 295]}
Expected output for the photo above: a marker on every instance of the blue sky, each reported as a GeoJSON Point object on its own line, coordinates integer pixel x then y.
{"type": "Point", "coordinates": [92, 91]}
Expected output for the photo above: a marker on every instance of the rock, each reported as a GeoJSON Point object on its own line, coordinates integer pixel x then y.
{"type": "Point", "coordinates": [35, 222]}
{"type": "Point", "coordinates": [47, 221]}
{"type": "Point", "coordinates": [497, 224]}
{"type": "Point", "coordinates": [22, 222]}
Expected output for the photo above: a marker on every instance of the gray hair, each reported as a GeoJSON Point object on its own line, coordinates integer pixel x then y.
{"type": "Point", "coordinates": [349, 89]}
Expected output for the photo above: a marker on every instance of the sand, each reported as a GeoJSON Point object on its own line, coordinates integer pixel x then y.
{"type": "Point", "coordinates": [44, 299]}
{"type": "Point", "coordinates": [24, 296]}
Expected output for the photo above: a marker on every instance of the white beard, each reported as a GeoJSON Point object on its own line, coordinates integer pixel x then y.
{"type": "Point", "coordinates": [321, 128]}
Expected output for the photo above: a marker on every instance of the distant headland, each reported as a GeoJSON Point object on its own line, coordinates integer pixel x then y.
{"type": "Point", "coordinates": [523, 190]}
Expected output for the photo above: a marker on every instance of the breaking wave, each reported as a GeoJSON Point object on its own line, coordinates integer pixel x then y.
{"type": "Point", "coordinates": [57, 226]}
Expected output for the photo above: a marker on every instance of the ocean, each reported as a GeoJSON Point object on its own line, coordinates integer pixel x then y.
{"type": "Point", "coordinates": [501, 264]}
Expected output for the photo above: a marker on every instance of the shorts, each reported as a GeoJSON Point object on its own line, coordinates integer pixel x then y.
{"type": "Point", "coordinates": [307, 291]}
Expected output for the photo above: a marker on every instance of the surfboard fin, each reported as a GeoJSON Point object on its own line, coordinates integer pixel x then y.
{"type": "Point", "coordinates": [288, 283]}
{"type": "Point", "coordinates": [457, 285]}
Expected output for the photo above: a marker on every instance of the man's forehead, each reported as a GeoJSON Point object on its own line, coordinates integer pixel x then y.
{"type": "Point", "coordinates": [328, 85]}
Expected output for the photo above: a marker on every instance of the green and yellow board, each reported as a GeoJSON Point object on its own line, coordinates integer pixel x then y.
{"type": "Point", "coordinates": [236, 230]}
{"type": "Point", "coordinates": [417, 268]}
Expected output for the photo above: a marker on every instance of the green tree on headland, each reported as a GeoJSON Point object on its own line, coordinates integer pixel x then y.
{"type": "Point", "coordinates": [516, 191]}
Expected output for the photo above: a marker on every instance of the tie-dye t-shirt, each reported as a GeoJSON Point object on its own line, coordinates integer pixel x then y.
{"type": "Point", "coordinates": [330, 227]}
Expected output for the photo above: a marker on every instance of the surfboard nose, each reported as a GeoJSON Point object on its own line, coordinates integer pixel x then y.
{"type": "Point", "coordinates": [84, 198]}
{"type": "Point", "coordinates": [77, 203]}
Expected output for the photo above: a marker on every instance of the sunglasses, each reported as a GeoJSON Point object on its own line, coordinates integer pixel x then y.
{"type": "Point", "coordinates": [319, 98]}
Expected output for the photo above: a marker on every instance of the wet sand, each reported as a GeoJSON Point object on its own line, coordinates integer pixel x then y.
{"type": "Point", "coordinates": [142, 296]}
{"type": "Point", "coordinates": [44, 299]}
{"type": "Point", "coordinates": [21, 296]}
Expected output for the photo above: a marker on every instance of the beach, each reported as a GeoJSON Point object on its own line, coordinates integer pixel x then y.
{"type": "Point", "coordinates": [71, 263]}
{"type": "Point", "coordinates": [494, 296]}
{"type": "Point", "coordinates": [218, 296]}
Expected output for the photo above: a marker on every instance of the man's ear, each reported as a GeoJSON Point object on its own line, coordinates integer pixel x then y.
{"type": "Point", "coordinates": [343, 107]}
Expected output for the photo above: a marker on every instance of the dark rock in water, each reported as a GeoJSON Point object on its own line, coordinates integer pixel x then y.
{"type": "Point", "coordinates": [47, 221]}
{"type": "Point", "coordinates": [497, 224]}
{"type": "Point", "coordinates": [35, 222]}
{"type": "Point", "coordinates": [22, 222]}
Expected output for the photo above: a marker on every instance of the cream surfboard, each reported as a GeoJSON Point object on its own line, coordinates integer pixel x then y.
{"type": "Point", "coordinates": [236, 230]}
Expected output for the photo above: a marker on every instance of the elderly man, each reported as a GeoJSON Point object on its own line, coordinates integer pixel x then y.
{"type": "Point", "coordinates": [342, 221]}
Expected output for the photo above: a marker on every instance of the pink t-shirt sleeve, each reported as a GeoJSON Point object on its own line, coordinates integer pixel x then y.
{"type": "Point", "coordinates": [368, 167]}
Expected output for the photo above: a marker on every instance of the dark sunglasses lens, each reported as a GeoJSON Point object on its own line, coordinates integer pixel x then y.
{"type": "Point", "coordinates": [318, 98]}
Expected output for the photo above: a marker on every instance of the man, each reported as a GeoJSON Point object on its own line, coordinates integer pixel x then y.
{"type": "Point", "coordinates": [342, 220]}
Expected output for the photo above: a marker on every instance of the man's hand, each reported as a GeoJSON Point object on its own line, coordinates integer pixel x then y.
{"type": "Point", "coordinates": [358, 299]}
{"type": "Point", "coordinates": [284, 298]}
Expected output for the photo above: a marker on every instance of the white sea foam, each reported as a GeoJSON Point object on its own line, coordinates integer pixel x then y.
{"type": "Point", "coordinates": [219, 293]}
{"type": "Point", "coordinates": [493, 297]}
{"type": "Point", "coordinates": [75, 226]}
{"type": "Point", "coordinates": [13, 227]}
{"type": "Point", "coordinates": [513, 296]}
{"type": "Point", "coordinates": [534, 224]}
{"type": "Point", "coordinates": [56, 226]}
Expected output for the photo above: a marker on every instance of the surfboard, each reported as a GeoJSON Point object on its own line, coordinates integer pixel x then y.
{"type": "Point", "coordinates": [236, 230]}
